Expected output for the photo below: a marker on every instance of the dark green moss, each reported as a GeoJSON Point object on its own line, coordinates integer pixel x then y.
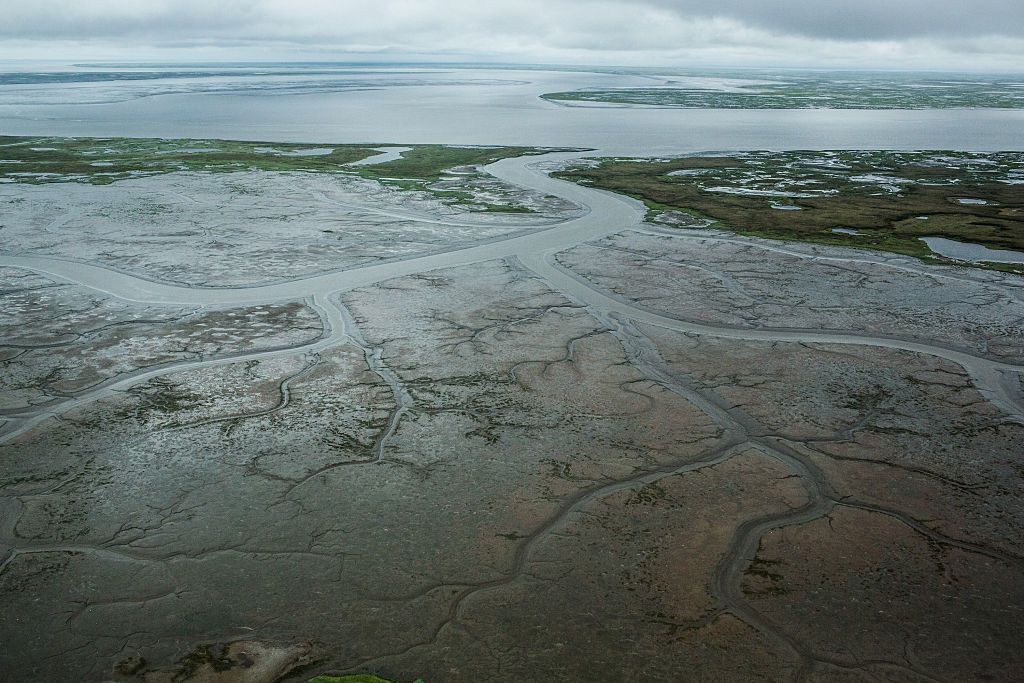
{"type": "Point", "coordinates": [106, 160]}
{"type": "Point", "coordinates": [430, 162]}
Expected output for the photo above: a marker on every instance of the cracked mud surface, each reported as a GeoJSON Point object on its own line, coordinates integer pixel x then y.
{"type": "Point", "coordinates": [61, 340]}
{"type": "Point", "coordinates": [740, 283]}
{"type": "Point", "coordinates": [601, 452]}
{"type": "Point", "coordinates": [251, 227]}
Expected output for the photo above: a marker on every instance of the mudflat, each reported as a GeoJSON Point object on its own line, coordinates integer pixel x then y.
{"type": "Point", "coordinates": [270, 416]}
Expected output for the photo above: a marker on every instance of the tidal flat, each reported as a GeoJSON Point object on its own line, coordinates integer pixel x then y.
{"type": "Point", "coordinates": [505, 413]}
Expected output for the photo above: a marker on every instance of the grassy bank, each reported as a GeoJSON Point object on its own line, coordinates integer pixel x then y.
{"type": "Point", "coordinates": [102, 161]}
{"type": "Point", "coordinates": [889, 199]}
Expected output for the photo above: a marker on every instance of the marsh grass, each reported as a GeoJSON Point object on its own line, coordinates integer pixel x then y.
{"type": "Point", "coordinates": [890, 198]}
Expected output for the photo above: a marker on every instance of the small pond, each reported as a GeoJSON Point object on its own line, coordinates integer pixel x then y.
{"type": "Point", "coordinates": [966, 251]}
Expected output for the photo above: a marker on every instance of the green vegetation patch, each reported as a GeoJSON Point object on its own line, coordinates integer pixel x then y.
{"type": "Point", "coordinates": [431, 162]}
{"type": "Point", "coordinates": [423, 165]}
{"type": "Point", "coordinates": [106, 160]}
{"type": "Point", "coordinates": [889, 199]}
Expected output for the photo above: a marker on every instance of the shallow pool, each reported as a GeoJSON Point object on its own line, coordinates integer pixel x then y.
{"type": "Point", "coordinates": [966, 251]}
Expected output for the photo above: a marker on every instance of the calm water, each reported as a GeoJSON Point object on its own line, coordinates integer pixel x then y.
{"type": "Point", "coordinates": [967, 251]}
{"type": "Point", "coordinates": [464, 106]}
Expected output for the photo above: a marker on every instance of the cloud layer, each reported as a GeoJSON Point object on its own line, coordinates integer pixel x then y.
{"type": "Point", "coordinates": [982, 34]}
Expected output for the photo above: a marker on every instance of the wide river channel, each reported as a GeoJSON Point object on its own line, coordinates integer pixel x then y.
{"type": "Point", "coordinates": [474, 107]}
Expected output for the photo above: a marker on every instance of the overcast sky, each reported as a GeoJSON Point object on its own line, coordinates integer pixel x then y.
{"type": "Point", "coordinates": [929, 34]}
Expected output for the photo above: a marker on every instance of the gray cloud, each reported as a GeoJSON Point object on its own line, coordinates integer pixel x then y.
{"type": "Point", "coordinates": [50, 19]}
{"type": "Point", "coordinates": [891, 33]}
{"type": "Point", "coordinates": [864, 19]}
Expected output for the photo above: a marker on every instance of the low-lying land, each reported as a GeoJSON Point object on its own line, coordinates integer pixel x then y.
{"type": "Point", "coordinates": [224, 213]}
{"type": "Point", "coordinates": [765, 90]}
{"type": "Point", "coordinates": [878, 200]}
{"type": "Point", "coordinates": [107, 160]}
{"type": "Point", "coordinates": [291, 426]}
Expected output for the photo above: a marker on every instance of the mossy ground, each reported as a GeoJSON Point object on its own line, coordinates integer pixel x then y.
{"type": "Point", "coordinates": [107, 160]}
{"type": "Point", "coordinates": [429, 162]}
{"type": "Point", "coordinates": [890, 198]}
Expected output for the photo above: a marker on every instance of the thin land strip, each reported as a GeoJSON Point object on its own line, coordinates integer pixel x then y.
{"type": "Point", "coordinates": [851, 90]}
